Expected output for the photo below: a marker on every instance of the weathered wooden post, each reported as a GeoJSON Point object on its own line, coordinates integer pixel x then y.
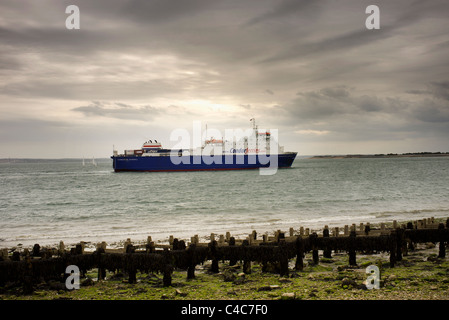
{"type": "Point", "coordinates": [221, 240]}
{"type": "Point", "coordinates": [213, 254]}
{"type": "Point", "coordinates": [312, 239]}
{"type": "Point", "coordinates": [175, 244]}
{"type": "Point", "coordinates": [283, 258]}
{"type": "Point", "coordinates": [27, 279]}
{"type": "Point", "coordinates": [4, 254]}
{"type": "Point", "coordinates": [233, 260]}
{"type": "Point", "coordinates": [327, 253]}
{"type": "Point", "coordinates": [367, 229]}
{"type": "Point", "coordinates": [246, 260]}
{"type": "Point", "coordinates": [264, 238]}
{"type": "Point", "coordinates": [299, 265]}
{"type": "Point", "coordinates": [79, 249]}
{"type": "Point", "coordinates": [150, 247]}
{"type": "Point", "coordinates": [102, 244]}
{"type": "Point", "coordinates": [15, 255]}
{"type": "Point", "coordinates": [399, 241]}
{"type": "Point", "coordinates": [393, 247]}
{"type": "Point", "coordinates": [36, 250]}
{"type": "Point", "coordinates": [61, 248]}
{"type": "Point", "coordinates": [254, 235]}
{"type": "Point", "coordinates": [181, 245]}
{"type": "Point", "coordinates": [281, 236]}
{"type": "Point", "coordinates": [442, 251]}
{"type": "Point", "coordinates": [100, 265]}
{"type": "Point", "coordinates": [191, 261]}
{"type": "Point", "coordinates": [168, 268]}
{"type": "Point", "coordinates": [404, 242]}
{"type": "Point", "coordinates": [276, 235]}
{"type": "Point", "coordinates": [419, 224]}
{"type": "Point", "coordinates": [194, 239]}
{"type": "Point", "coordinates": [130, 248]}
{"type": "Point", "coordinates": [410, 244]}
{"type": "Point", "coordinates": [127, 242]}
{"type": "Point", "coordinates": [336, 234]}
{"type": "Point", "coordinates": [131, 268]}
{"type": "Point", "coordinates": [351, 245]}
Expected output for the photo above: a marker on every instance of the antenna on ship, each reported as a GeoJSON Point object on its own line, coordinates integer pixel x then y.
{"type": "Point", "coordinates": [205, 138]}
{"type": "Point", "coordinates": [253, 120]}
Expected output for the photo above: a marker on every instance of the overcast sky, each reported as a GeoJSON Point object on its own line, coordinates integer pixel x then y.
{"type": "Point", "coordinates": [137, 70]}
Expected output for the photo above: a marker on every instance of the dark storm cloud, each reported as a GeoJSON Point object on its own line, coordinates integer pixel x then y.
{"type": "Point", "coordinates": [409, 15]}
{"type": "Point", "coordinates": [440, 89]}
{"type": "Point", "coordinates": [415, 11]}
{"type": "Point", "coordinates": [163, 11]}
{"type": "Point", "coordinates": [327, 103]}
{"type": "Point", "coordinates": [345, 114]}
{"type": "Point", "coordinates": [431, 112]}
{"type": "Point", "coordinates": [436, 89]}
{"type": "Point", "coordinates": [415, 91]}
{"type": "Point", "coordinates": [342, 101]}
{"type": "Point", "coordinates": [287, 8]}
{"type": "Point", "coordinates": [331, 45]}
{"type": "Point", "coordinates": [118, 110]}
{"type": "Point", "coordinates": [337, 92]}
{"type": "Point", "coordinates": [124, 111]}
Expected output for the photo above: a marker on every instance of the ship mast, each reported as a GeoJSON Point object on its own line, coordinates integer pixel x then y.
{"type": "Point", "coordinates": [253, 120]}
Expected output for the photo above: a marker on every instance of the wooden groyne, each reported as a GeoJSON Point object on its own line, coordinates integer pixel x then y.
{"type": "Point", "coordinates": [30, 267]}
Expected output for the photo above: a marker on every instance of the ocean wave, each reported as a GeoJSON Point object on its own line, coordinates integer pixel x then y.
{"type": "Point", "coordinates": [335, 219]}
{"type": "Point", "coordinates": [399, 214]}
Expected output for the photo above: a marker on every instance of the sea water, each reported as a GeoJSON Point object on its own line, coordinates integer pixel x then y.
{"type": "Point", "coordinates": [49, 201]}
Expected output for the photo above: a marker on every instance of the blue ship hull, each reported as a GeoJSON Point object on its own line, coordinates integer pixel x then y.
{"type": "Point", "coordinates": [200, 163]}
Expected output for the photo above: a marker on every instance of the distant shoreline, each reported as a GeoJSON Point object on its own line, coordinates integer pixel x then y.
{"type": "Point", "coordinates": [388, 155]}
{"type": "Point", "coordinates": [44, 160]}
{"type": "Point", "coordinates": [331, 156]}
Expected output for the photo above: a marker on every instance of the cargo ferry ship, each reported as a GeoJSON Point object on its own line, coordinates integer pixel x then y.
{"type": "Point", "coordinates": [256, 150]}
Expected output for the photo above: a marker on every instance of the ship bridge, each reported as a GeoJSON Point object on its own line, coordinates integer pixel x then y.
{"type": "Point", "coordinates": [150, 145]}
